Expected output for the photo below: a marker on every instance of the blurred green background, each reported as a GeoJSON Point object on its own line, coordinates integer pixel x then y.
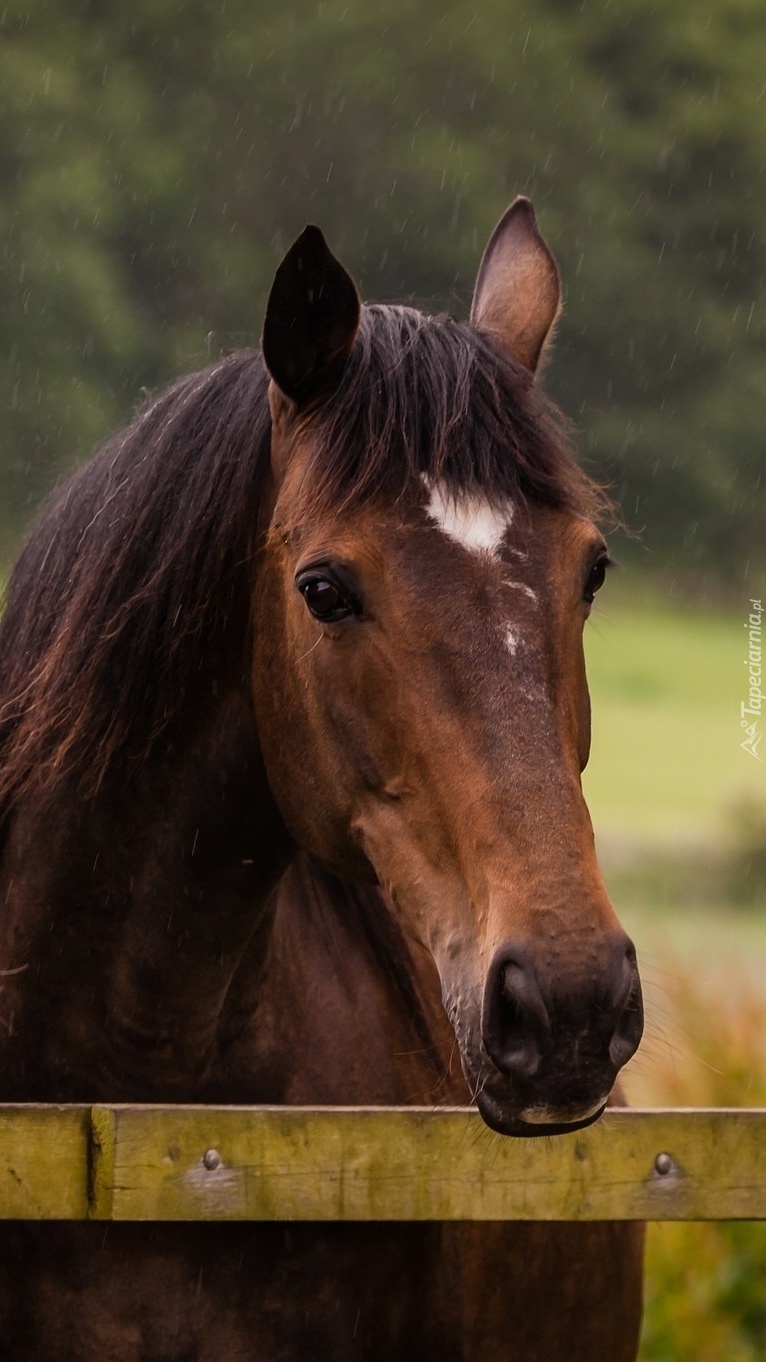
{"type": "Point", "coordinates": [157, 158]}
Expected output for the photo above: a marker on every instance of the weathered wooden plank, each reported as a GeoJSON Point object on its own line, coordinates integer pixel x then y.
{"type": "Point", "coordinates": [44, 1163]}
{"type": "Point", "coordinates": [279, 1163]}
{"type": "Point", "coordinates": [101, 1154]}
{"type": "Point", "coordinates": [413, 1164]}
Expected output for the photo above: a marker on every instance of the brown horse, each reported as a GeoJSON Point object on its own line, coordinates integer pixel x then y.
{"type": "Point", "coordinates": [294, 712]}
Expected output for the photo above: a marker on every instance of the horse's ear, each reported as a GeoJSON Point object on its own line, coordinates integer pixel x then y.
{"type": "Point", "coordinates": [518, 290]}
{"type": "Point", "coordinates": [311, 320]}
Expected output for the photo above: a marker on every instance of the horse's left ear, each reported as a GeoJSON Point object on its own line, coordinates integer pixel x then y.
{"type": "Point", "coordinates": [518, 290]}
{"type": "Point", "coordinates": [311, 320]}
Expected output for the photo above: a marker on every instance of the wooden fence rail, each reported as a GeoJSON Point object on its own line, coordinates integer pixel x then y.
{"type": "Point", "coordinates": [408, 1163]}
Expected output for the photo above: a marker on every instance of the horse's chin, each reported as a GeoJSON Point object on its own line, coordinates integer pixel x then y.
{"type": "Point", "coordinates": [496, 1116]}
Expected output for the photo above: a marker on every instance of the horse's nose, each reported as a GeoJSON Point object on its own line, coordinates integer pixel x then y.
{"type": "Point", "coordinates": [524, 1022]}
{"type": "Point", "coordinates": [626, 1005]}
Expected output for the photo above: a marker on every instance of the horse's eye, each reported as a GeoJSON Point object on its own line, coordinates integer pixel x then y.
{"type": "Point", "coordinates": [325, 600]}
{"type": "Point", "coordinates": [596, 578]}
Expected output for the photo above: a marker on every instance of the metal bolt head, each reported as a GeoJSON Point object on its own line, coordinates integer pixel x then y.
{"type": "Point", "coordinates": [663, 1164]}
{"type": "Point", "coordinates": [211, 1159]}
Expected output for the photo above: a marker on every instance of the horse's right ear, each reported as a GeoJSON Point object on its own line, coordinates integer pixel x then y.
{"type": "Point", "coordinates": [312, 318]}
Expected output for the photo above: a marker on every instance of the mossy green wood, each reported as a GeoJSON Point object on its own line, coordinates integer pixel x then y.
{"type": "Point", "coordinates": [414, 1164]}
{"type": "Point", "coordinates": [44, 1163]}
{"type": "Point", "coordinates": [229, 1163]}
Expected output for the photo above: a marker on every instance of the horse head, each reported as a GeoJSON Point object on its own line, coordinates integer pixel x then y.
{"type": "Point", "coordinates": [427, 563]}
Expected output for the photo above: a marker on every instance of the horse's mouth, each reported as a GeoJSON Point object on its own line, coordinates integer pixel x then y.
{"type": "Point", "coordinates": [495, 1114]}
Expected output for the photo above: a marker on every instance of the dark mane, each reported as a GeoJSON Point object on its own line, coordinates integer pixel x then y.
{"type": "Point", "coordinates": [130, 588]}
{"type": "Point", "coordinates": [132, 591]}
{"type": "Point", "coordinates": [432, 396]}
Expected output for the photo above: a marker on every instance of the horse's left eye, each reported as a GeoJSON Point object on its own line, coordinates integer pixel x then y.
{"type": "Point", "coordinates": [325, 600]}
{"type": "Point", "coordinates": [596, 578]}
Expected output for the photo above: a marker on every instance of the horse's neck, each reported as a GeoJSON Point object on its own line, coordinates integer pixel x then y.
{"type": "Point", "coordinates": [164, 954]}
{"type": "Point", "coordinates": [129, 918]}
{"type": "Point", "coordinates": [347, 1011]}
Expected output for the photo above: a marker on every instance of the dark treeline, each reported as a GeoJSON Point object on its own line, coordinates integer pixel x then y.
{"type": "Point", "coordinates": [157, 157]}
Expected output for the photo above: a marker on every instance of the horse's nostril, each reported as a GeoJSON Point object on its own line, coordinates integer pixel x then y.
{"type": "Point", "coordinates": [515, 1021]}
{"type": "Point", "coordinates": [625, 976]}
{"type": "Point", "coordinates": [629, 1010]}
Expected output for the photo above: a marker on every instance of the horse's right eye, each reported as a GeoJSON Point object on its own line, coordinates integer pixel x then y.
{"type": "Point", "coordinates": [325, 600]}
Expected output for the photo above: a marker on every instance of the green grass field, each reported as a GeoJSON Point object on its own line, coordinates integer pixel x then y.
{"type": "Point", "coordinates": [666, 684]}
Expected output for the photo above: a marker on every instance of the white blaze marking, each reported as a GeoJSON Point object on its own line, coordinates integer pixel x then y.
{"type": "Point", "coordinates": [470, 520]}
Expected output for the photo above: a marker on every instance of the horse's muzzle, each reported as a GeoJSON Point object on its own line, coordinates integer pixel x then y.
{"type": "Point", "coordinates": [555, 1046]}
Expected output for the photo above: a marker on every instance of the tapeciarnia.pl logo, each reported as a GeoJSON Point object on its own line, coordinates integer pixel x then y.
{"type": "Point", "coordinates": [750, 710]}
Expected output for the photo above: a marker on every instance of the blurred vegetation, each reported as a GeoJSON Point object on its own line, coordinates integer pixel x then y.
{"type": "Point", "coordinates": [670, 789]}
{"type": "Point", "coordinates": [157, 158]}
{"type": "Point", "coordinates": [705, 1298]}
{"type": "Point", "coordinates": [745, 864]}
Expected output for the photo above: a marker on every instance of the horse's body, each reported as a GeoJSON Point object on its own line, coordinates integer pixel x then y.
{"type": "Point", "coordinates": [240, 633]}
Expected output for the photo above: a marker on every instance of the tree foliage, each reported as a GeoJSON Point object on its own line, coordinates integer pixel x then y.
{"type": "Point", "coordinates": [157, 158]}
